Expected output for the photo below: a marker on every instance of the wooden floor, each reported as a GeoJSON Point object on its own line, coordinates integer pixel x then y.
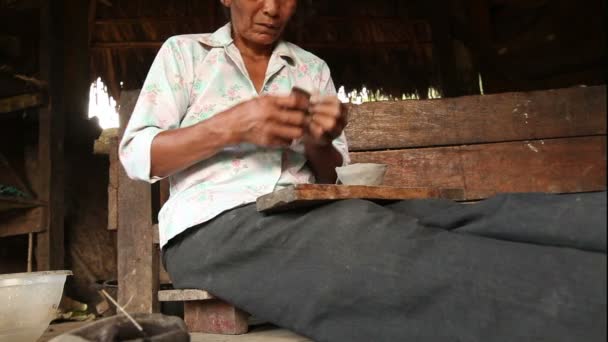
{"type": "Point", "coordinates": [258, 334]}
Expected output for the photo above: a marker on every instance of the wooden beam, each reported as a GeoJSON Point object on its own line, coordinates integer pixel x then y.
{"type": "Point", "coordinates": [555, 166]}
{"type": "Point", "coordinates": [566, 112]}
{"type": "Point", "coordinates": [20, 102]}
{"type": "Point", "coordinates": [50, 243]}
{"type": "Point", "coordinates": [20, 223]}
{"type": "Point", "coordinates": [138, 258]}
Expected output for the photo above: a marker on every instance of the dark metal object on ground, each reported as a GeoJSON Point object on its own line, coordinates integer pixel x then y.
{"type": "Point", "coordinates": [158, 328]}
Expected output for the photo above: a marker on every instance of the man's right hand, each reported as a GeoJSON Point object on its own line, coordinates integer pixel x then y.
{"type": "Point", "coordinates": [269, 121]}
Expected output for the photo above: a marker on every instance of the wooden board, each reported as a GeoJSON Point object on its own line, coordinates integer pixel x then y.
{"type": "Point", "coordinates": [304, 195]}
{"type": "Point", "coordinates": [556, 166]}
{"type": "Point", "coordinates": [504, 117]}
{"type": "Point", "coordinates": [137, 256]}
{"type": "Point", "coordinates": [183, 295]}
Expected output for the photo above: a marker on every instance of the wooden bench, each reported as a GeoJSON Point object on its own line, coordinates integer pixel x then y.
{"type": "Point", "coordinates": [546, 141]}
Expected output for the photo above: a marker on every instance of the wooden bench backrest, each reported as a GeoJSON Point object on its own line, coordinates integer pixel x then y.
{"type": "Point", "coordinates": [544, 141]}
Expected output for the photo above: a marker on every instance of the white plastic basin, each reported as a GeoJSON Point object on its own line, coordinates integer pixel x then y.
{"type": "Point", "coordinates": [28, 303]}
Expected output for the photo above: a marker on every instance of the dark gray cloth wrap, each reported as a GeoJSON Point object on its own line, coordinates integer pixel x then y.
{"type": "Point", "coordinates": [517, 267]}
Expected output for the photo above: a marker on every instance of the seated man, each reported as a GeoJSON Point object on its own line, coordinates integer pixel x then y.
{"type": "Point", "coordinates": [215, 115]}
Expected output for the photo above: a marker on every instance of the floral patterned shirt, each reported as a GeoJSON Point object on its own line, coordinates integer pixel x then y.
{"type": "Point", "coordinates": [192, 78]}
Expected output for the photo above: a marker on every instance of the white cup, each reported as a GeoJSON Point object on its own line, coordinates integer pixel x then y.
{"type": "Point", "coordinates": [362, 174]}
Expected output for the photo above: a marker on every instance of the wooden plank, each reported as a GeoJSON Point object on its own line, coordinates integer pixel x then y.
{"type": "Point", "coordinates": [555, 166]}
{"type": "Point", "coordinates": [21, 223]}
{"type": "Point", "coordinates": [50, 243]}
{"type": "Point", "coordinates": [504, 117]}
{"type": "Point", "coordinates": [183, 295]}
{"type": "Point", "coordinates": [137, 257]}
{"type": "Point", "coordinates": [20, 102]}
{"type": "Point", "coordinates": [304, 195]}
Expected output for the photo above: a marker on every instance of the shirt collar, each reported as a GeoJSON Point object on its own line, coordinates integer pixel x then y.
{"type": "Point", "coordinates": [223, 37]}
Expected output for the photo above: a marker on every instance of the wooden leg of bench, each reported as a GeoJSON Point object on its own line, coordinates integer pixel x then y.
{"type": "Point", "coordinates": [214, 316]}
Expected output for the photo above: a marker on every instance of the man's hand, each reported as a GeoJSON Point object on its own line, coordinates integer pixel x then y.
{"type": "Point", "coordinates": [328, 118]}
{"type": "Point", "coordinates": [269, 121]}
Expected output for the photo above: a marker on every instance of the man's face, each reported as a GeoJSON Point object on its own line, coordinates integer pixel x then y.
{"type": "Point", "coordinates": [260, 21]}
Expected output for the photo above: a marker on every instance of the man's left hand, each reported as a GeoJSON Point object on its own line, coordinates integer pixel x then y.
{"type": "Point", "coordinates": [328, 118]}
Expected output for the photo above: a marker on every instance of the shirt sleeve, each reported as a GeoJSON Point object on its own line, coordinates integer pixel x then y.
{"type": "Point", "coordinates": [327, 87]}
{"type": "Point", "coordinates": [162, 103]}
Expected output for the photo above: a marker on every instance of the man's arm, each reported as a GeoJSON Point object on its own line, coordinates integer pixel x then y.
{"type": "Point", "coordinates": [323, 160]}
{"type": "Point", "coordinates": [265, 121]}
{"type": "Point", "coordinates": [327, 123]}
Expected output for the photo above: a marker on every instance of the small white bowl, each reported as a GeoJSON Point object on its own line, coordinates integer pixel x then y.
{"type": "Point", "coordinates": [362, 174]}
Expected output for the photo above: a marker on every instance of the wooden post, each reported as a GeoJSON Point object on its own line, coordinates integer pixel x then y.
{"type": "Point", "coordinates": [214, 316]}
{"type": "Point", "coordinates": [50, 243]}
{"type": "Point", "coordinates": [137, 255]}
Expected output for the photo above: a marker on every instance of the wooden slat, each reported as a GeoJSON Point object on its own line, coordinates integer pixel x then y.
{"type": "Point", "coordinates": [556, 166]}
{"type": "Point", "coordinates": [183, 295]}
{"type": "Point", "coordinates": [21, 223]}
{"type": "Point", "coordinates": [304, 195]}
{"type": "Point", "coordinates": [138, 257]}
{"type": "Point", "coordinates": [20, 102]}
{"type": "Point", "coordinates": [504, 117]}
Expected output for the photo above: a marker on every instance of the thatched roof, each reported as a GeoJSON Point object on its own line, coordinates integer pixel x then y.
{"type": "Point", "coordinates": [400, 46]}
